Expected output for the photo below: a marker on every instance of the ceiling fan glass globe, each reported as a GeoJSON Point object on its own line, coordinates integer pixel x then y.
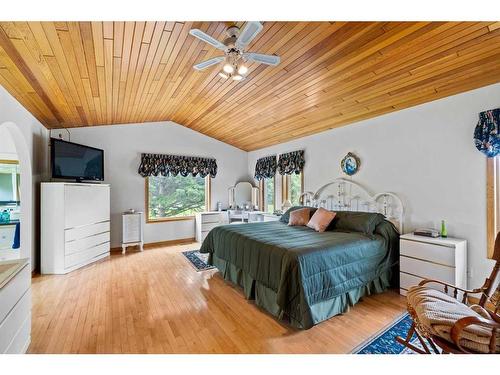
{"type": "Point", "coordinates": [237, 77]}
{"type": "Point", "coordinates": [228, 68]}
{"type": "Point", "coordinates": [242, 70]}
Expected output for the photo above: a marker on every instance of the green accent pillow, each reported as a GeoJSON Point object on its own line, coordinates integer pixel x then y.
{"type": "Point", "coordinates": [364, 222]}
{"type": "Point", "coordinates": [285, 218]}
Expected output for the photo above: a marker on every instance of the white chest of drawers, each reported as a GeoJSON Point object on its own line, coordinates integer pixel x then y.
{"type": "Point", "coordinates": [75, 225]}
{"type": "Point", "coordinates": [443, 259]}
{"type": "Point", "coordinates": [206, 221]}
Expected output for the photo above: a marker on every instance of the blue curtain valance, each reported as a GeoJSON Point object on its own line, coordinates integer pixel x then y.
{"type": "Point", "coordinates": [486, 135]}
{"type": "Point", "coordinates": [265, 167]}
{"type": "Point", "coordinates": [291, 162]}
{"type": "Point", "coordinates": [166, 165]}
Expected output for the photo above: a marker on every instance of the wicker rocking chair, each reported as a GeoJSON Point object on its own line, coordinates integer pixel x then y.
{"type": "Point", "coordinates": [444, 320]}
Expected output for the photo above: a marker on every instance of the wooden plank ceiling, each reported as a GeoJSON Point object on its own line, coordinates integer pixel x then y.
{"type": "Point", "coordinates": [70, 74]}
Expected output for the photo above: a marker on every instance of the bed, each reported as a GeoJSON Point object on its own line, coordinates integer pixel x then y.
{"type": "Point", "coordinates": [304, 277]}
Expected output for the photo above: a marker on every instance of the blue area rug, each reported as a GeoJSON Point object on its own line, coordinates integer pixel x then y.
{"type": "Point", "coordinates": [385, 342]}
{"type": "Point", "coordinates": [198, 260]}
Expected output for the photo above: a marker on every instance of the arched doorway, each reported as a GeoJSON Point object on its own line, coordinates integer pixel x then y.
{"type": "Point", "coordinates": [25, 187]}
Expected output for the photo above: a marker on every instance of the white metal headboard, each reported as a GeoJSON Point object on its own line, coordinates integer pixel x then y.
{"type": "Point", "coordinates": [346, 195]}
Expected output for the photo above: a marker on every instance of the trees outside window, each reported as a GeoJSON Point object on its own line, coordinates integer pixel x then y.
{"type": "Point", "coordinates": [176, 197]}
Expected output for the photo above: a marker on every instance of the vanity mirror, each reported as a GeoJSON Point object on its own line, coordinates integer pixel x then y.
{"type": "Point", "coordinates": [244, 195]}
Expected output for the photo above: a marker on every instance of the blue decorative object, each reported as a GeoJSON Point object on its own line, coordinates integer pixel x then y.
{"type": "Point", "coordinates": [350, 164]}
{"type": "Point", "coordinates": [17, 237]}
{"type": "Point", "coordinates": [385, 342]}
{"type": "Point", "coordinates": [486, 135]}
{"type": "Point", "coordinates": [198, 260]}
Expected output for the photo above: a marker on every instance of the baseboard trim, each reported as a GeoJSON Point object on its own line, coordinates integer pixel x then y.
{"type": "Point", "coordinates": [153, 245]}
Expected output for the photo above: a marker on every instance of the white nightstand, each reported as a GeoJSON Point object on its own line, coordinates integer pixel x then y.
{"type": "Point", "coordinates": [270, 217]}
{"type": "Point", "coordinates": [443, 259]}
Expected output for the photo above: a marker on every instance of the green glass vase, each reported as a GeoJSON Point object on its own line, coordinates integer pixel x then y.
{"type": "Point", "coordinates": [444, 232]}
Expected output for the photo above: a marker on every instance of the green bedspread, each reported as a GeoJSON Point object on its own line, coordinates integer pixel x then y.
{"type": "Point", "coordinates": [302, 268]}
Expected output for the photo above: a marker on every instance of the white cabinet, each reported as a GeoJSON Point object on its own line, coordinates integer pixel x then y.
{"type": "Point", "coordinates": [206, 221]}
{"type": "Point", "coordinates": [132, 230]}
{"type": "Point", "coordinates": [443, 259]}
{"type": "Point", "coordinates": [15, 306]}
{"type": "Point", "coordinates": [270, 217]}
{"type": "Point", "coordinates": [75, 225]}
{"type": "Point", "coordinates": [7, 236]}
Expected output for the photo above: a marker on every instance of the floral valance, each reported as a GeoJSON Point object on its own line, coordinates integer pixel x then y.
{"type": "Point", "coordinates": [291, 162]}
{"type": "Point", "coordinates": [486, 134]}
{"type": "Point", "coordinates": [166, 165]}
{"type": "Point", "coordinates": [265, 167]}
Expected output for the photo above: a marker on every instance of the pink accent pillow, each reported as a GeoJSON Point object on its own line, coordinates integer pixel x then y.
{"type": "Point", "coordinates": [299, 217]}
{"type": "Point", "coordinates": [321, 219]}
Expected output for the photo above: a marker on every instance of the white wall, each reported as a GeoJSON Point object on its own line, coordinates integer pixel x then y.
{"type": "Point", "coordinates": [123, 145]}
{"type": "Point", "coordinates": [425, 154]}
{"type": "Point", "coordinates": [35, 140]}
{"type": "Point", "coordinates": [7, 146]}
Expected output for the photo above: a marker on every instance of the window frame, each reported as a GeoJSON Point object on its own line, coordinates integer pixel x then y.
{"type": "Point", "coordinates": [492, 202]}
{"type": "Point", "coordinates": [262, 194]}
{"type": "Point", "coordinates": [208, 203]}
{"type": "Point", "coordinates": [285, 182]}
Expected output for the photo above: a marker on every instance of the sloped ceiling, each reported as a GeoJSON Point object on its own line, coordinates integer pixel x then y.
{"type": "Point", "coordinates": [70, 74]}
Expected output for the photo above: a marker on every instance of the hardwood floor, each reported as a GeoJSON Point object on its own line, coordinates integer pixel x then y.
{"type": "Point", "coordinates": [155, 302]}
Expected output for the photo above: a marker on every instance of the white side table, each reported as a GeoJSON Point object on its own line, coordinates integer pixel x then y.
{"type": "Point", "coordinates": [132, 230]}
{"type": "Point", "coordinates": [443, 259]}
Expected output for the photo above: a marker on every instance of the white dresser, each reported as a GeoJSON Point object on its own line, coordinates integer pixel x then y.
{"type": "Point", "coordinates": [75, 225]}
{"type": "Point", "coordinates": [15, 306]}
{"type": "Point", "coordinates": [206, 221]}
{"type": "Point", "coordinates": [132, 230]}
{"type": "Point", "coordinates": [443, 259]}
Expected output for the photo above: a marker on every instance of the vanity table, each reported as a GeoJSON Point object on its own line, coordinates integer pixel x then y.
{"type": "Point", "coordinates": [242, 198]}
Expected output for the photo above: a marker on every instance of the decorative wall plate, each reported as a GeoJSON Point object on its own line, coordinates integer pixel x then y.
{"type": "Point", "coordinates": [350, 164]}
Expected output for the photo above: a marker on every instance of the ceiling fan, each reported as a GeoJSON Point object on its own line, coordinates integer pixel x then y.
{"type": "Point", "coordinates": [235, 55]}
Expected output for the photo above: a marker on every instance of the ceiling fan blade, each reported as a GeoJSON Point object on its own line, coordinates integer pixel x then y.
{"type": "Point", "coordinates": [261, 58]}
{"type": "Point", "coordinates": [210, 62]}
{"type": "Point", "coordinates": [207, 39]}
{"type": "Point", "coordinates": [250, 31]}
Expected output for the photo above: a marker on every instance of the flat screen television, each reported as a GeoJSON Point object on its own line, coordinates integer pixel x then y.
{"type": "Point", "coordinates": [77, 162]}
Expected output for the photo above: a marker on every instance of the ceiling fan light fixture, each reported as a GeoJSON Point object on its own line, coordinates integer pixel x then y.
{"type": "Point", "coordinates": [223, 75]}
{"type": "Point", "coordinates": [228, 68]}
{"type": "Point", "coordinates": [237, 77]}
{"type": "Point", "coordinates": [242, 70]}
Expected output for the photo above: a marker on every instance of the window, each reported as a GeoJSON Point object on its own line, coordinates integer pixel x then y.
{"type": "Point", "coordinates": [176, 197]}
{"type": "Point", "coordinates": [293, 187]}
{"type": "Point", "coordinates": [493, 199]}
{"type": "Point", "coordinates": [268, 196]}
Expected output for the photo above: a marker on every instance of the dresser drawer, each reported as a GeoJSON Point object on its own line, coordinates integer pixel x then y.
{"type": "Point", "coordinates": [426, 251]}
{"type": "Point", "coordinates": [86, 231]}
{"type": "Point", "coordinates": [13, 290]}
{"type": "Point", "coordinates": [86, 243]}
{"type": "Point", "coordinates": [427, 270]}
{"type": "Point", "coordinates": [406, 281]}
{"type": "Point", "coordinates": [211, 218]}
{"type": "Point", "coordinates": [86, 255]}
{"type": "Point", "coordinates": [84, 204]}
{"type": "Point", "coordinates": [14, 320]}
{"type": "Point", "coordinates": [207, 227]}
